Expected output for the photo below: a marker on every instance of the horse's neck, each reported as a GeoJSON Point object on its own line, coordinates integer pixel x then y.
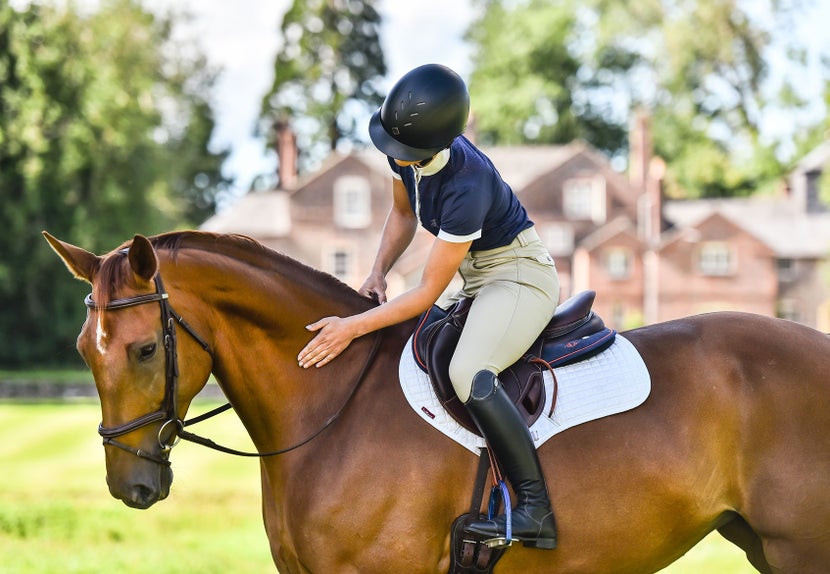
{"type": "Point", "coordinates": [258, 322]}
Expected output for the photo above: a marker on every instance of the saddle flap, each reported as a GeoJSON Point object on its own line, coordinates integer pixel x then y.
{"type": "Point", "coordinates": [433, 345]}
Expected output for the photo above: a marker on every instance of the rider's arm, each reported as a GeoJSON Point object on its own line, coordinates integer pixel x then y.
{"type": "Point", "coordinates": [335, 333]}
{"type": "Point", "coordinates": [398, 232]}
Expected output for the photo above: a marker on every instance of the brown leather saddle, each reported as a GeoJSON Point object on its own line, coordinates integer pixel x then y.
{"type": "Point", "coordinates": [574, 333]}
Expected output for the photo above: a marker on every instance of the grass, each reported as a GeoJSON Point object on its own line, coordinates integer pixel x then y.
{"type": "Point", "coordinates": [53, 376]}
{"type": "Point", "coordinates": [56, 514]}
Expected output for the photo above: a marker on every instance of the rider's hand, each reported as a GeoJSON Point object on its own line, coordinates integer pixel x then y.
{"type": "Point", "coordinates": [334, 335]}
{"type": "Point", "coordinates": [374, 287]}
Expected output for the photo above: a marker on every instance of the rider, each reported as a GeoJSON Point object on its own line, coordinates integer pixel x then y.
{"type": "Point", "coordinates": [443, 181]}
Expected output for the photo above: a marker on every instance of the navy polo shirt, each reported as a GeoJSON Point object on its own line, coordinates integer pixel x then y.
{"type": "Point", "coordinates": [465, 199]}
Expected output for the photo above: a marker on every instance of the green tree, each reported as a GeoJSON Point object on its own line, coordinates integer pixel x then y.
{"type": "Point", "coordinates": [700, 66]}
{"type": "Point", "coordinates": [528, 85]}
{"type": "Point", "coordinates": [103, 134]}
{"type": "Point", "coordinates": [326, 74]}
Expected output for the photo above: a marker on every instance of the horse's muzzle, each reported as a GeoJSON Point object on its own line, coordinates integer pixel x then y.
{"type": "Point", "coordinates": [142, 493]}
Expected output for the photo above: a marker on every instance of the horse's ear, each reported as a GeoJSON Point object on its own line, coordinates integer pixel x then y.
{"type": "Point", "coordinates": [143, 260]}
{"type": "Point", "coordinates": [81, 263]}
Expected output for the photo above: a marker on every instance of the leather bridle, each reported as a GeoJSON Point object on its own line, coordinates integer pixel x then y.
{"type": "Point", "coordinates": [169, 406]}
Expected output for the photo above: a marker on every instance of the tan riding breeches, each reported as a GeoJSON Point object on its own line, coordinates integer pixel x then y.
{"type": "Point", "coordinates": [515, 290]}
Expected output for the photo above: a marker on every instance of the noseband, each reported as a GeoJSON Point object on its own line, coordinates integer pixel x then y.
{"type": "Point", "coordinates": [169, 407]}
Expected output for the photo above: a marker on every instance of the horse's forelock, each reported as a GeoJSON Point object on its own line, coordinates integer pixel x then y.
{"type": "Point", "coordinates": [111, 276]}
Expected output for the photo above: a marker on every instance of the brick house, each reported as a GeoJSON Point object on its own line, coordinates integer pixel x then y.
{"type": "Point", "coordinates": [649, 260]}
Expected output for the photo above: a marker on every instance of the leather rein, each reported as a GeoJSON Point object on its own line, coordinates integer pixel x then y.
{"type": "Point", "coordinates": [169, 406]}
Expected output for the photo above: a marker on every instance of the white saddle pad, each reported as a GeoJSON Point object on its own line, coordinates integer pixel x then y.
{"type": "Point", "coordinates": [612, 382]}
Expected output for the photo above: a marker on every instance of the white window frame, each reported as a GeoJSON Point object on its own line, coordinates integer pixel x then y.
{"type": "Point", "coordinates": [618, 263]}
{"type": "Point", "coordinates": [332, 264]}
{"type": "Point", "coordinates": [716, 259]}
{"type": "Point", "coordinates": [352, 202]}
{"type": "Point", "coordinates": [559, 238]}
{"type": "Point", "coordinates": [583, 198]}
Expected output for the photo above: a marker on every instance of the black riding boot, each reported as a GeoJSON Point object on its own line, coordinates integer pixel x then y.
{"type": "Point", "coordinates": [507, 435]}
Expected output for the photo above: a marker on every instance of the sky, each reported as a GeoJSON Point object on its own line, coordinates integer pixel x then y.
{"type": "Point", "coordinates": [242, 37]}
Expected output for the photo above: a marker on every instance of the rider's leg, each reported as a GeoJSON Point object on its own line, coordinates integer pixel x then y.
{"type": "Point", "coordinates": [507, 315]}
{"type": "Point", "coordinates": [507, 434]}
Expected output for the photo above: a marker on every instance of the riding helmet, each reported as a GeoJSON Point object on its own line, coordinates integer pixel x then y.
{"type": "Point", "coordinates": [425, 110]}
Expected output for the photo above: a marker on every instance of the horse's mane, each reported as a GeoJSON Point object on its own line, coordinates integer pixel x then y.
{"type": "Point", "coordinates": [114, 271]}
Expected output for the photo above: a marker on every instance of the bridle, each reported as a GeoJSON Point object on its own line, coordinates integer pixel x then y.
{"type": "Point", "coordinates": [169, 407]}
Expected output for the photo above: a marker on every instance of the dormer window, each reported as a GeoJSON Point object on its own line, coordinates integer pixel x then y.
{"type": "Point", "coordinates": [716, 259]}
{"type": "Point", "coordinates": [559, 238]}
{"type": "Point", "coordinates": [583, 198]}
{"type": "Point", "coordinates": [352, 202]}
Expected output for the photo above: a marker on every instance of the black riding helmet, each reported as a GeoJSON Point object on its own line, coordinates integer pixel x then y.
{"type": "Point", "coordinates": [425, 110]}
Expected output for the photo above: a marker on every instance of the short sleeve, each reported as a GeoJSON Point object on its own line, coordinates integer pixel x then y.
{"type": "Point", "coordinates": [463, 212]}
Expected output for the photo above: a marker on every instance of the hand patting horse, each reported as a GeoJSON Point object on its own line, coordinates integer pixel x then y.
{"type": "Point", "coordinates": [735, 435]}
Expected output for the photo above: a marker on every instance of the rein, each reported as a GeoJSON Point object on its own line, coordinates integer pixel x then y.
{"type": "Point", "coordinates": [169, 407]}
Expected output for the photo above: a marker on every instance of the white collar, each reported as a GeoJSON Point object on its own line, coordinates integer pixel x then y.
{"type": "Point", "coordinates": [441, 159]}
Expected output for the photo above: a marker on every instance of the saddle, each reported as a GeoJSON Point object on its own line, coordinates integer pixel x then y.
{"type": "Point", "coordinates": [574, 333]}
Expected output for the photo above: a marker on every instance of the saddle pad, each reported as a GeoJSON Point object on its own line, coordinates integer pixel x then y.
{"type": "Point", "coordinates": [612, 382]}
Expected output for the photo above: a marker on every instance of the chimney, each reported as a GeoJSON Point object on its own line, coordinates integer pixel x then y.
{"type": "Point", "coordinates": [471, 131]}
{"type": "Point", "coordinates": [286, 144]}
{"type": "Point", "coordinates": [639, 152]}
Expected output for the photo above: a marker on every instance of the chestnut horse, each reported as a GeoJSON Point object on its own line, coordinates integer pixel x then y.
{"type": "Point", "coordinates": [735, 435]}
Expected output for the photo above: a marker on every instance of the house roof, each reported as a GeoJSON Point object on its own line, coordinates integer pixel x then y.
{"type": "Point", "coordinates": [816, 160]}
{"type": "Point", "coordinates": [617, 226]}
{"type": "Point", "coordinates": [260, 214]}
{"type": "Point", "coordinates": [520, 166]}
{"type": "Point", "coordinates": [788, 232]}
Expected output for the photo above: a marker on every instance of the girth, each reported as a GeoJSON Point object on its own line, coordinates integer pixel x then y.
{"type": "Point", "coordinates": [574, 333]}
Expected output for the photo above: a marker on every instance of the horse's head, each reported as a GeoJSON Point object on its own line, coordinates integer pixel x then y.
{"type": "Point", "coordinates": [129, 343]}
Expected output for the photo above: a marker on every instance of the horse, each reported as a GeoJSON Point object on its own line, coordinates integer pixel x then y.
{"type": "Point", "coordinates": [734, 437]}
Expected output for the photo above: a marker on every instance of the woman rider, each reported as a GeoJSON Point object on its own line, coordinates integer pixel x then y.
{"type": "Point", "coordinates": [443, 181]}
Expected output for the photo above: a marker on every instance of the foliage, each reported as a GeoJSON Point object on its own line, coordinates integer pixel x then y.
{"type": "Point", "coordinates": [103, 133]}
{"type": "Point", "coordinates": [528, 85]}
{"type": "Point", "coordinates": [326, 74]}
{"type": "Point", "coordinates": [701, 68]}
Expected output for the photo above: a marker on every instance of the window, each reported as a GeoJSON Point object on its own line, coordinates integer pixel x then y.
{"type": "Point", "coordinates": [618, 263]}
{"type": "Point", "coordinates": [788, 309]}
{"type": "Point", "coordinates": [352, 202]}
{"type": "Point", "coordinates": [339, 262]}
{"type": "Point", "coordinates": [716, 259]}
{"type": "Point", "coordinates": [559, 239]}
{"type": "Point", "coordinates": [584, 198]}
{"type": "Point", "coordinates": [786, 270]}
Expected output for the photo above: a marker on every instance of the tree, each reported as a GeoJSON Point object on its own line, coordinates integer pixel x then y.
{"type": "Point", "coordinates": [326, 74]}
{"type": "Point", "coordinates": [700, 66]}
{"type": "Point", "coordinates": [529, 86]}
{"type": "Point", "coordinates": [101, 136]}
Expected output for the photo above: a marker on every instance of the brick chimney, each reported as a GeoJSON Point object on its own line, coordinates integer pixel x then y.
{"type": "Point", "coordinates": [639, 152]}
{"type": "Point", "coordinates": [286, 144]}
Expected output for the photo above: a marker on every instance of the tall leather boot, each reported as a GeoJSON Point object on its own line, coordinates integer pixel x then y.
{"type": "Point", "coordinates": [507, 435]}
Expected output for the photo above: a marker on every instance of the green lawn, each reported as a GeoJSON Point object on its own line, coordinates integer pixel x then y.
{"type": "Point", "coordinates": [56, 515]}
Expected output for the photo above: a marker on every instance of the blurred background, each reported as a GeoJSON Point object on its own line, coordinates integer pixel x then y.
{"type": "Point", "coordinates": [670, 152]}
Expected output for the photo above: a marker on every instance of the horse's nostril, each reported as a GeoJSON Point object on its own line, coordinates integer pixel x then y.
{"type": "Point", "coordinates": [141, 496]}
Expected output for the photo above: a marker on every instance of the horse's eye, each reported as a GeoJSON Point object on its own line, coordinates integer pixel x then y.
{"type": "Point", "coordinates": [147, 351]}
